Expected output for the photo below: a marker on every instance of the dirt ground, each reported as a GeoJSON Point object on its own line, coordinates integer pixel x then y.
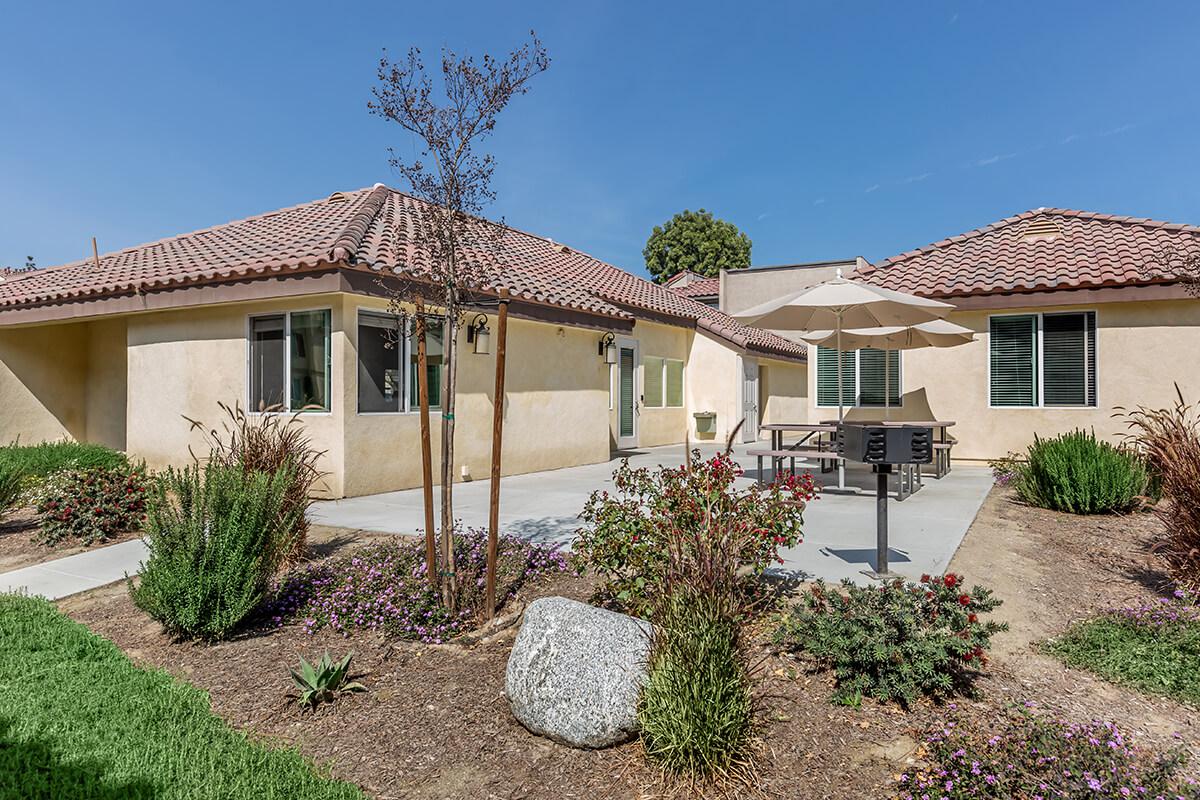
{"type": "Point", "coordinates": [18, 549]}
{"type": "Point", "coordinates": [435, 723]}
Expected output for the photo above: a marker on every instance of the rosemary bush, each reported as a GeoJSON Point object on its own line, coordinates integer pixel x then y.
{"type": "Point", "coordinates": [1080, 474]}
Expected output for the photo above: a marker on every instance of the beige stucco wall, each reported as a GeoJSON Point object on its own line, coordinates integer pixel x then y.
{"type": "Point", "coordinates": [42, 383]}
{"type": "Point", "coordinates": [784, 391]}
{"type": "Point", "coordinates": [182, 363]}
{"type": "Point", "coordinates": [1142, 350]}
{"type": "Point", "coordinates": [106, 390]}
{"type": "Point", "coordinates": [712, 384]}
{"type": "Point", "coordinates": [557, 404]}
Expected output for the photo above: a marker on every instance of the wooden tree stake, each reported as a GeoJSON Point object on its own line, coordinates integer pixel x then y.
{"type": "Point", "coordinates": [431, 565]}
{"type": "Point", "coordinates": [497, 439]}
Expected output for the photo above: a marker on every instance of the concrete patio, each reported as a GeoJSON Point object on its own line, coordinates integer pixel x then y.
{"type": "Point", "coordinates": [839, 530]}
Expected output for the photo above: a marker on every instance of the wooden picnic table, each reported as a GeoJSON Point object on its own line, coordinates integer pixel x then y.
{"type": "Point", "coordinates": [777, 430]}
{"type": "Point", "coordinates": [941, 425]}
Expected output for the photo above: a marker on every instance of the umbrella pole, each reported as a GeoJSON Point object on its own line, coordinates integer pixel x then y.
{"type": "Point", "coordinates": [841, 410]}
{"type": "Point", "coordinates": [887, 386]}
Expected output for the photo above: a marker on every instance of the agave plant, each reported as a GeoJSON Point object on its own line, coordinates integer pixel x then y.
{"type": "Point", "coordinates": [324, 681]}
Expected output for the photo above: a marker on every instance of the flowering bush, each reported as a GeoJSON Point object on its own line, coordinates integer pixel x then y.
{"type": "Point", "coordinates": [629, 534]}
{"type": "Point", "coordinates": [1152, 646]}
{"type": "Point", "coordinates": [92, 504]}
{"type": "Point", "coordinates": [382, 586]}
{"type": "Point", "coordinates": [895, 641]}
{"type": "Point", "coordinates": [1006, 470]}
{"type": "Point", "coordinates": [1022, 755]}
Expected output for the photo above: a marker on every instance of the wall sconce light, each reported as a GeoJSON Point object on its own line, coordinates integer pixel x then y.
{"type": "Point", "coordinates": [479, 333]}
{"type": "Point", "coordinates": [608, 348]}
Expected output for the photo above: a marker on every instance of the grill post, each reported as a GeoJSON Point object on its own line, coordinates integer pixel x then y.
{"type": "Point", "coordinates": [881, 522]}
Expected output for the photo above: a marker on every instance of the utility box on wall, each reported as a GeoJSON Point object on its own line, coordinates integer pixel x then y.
{"type": "Point", "coordinates": [706, 423]}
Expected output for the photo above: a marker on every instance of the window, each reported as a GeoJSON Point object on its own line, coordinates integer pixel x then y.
{"type": "Point", "coordinates": [1043, 360]}
{"type": "Point", "coordinates": [652, 383]}
{"type": "Point", "coordinates": [674, 382]}
{"type": "Point", "coordinates": [380, 353]}
{"type": "Point", "coordinates": [387, 363]}
{"type": "Point", "coordinates": [290, 361]}
{"type": "Point", "coordinates": [864, 376]}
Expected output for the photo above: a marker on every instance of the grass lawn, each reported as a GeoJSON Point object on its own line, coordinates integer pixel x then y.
{"type": "Point", "coordinates": [79, 720]}
{"type": "Point", "coordinates": [1158, 660]}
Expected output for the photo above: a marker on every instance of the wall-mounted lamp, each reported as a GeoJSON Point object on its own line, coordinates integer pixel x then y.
{"type": "Point", "coordinates": [478, 333]}
{"type": "Point", "coordinates": [608, 348]}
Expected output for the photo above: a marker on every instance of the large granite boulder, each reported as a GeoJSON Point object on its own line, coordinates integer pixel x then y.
{"type": "Point", "coordinates": [576, 671]}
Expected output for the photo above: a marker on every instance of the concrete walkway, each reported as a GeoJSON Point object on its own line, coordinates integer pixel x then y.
{"type": "Point", "coordinates": [78, 573]}
{"type": "Point", "coordinates": [839, 543]}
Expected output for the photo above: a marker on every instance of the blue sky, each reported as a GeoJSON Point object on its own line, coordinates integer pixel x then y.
{"type": "Point", "coordinates": [823, 130]}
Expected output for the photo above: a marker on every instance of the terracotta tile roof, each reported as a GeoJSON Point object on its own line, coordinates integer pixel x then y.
{"type": "Point", "coordinates": [704, 287]}
{"type": "Point", "coordinates": [370, 229]}
{"type": "Point", "coordinates": [1042, 250]}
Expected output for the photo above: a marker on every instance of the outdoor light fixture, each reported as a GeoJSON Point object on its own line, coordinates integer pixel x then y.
{"type": "Point", "coordinates": [478, 333]}
{"type": "Point", "coordinates": [608, 348]}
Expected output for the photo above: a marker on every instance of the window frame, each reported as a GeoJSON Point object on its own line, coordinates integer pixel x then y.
{"type": "Point", "coordinates": [1039, 316]}
{"type": "Point", "coordinates": [899, 376]}
{"type": "Point", "coordinates": [409, 404]}
{"type": "Point", "coordinates": [287, 361]}
{"type": "Point", "coordinates": [663, 405]}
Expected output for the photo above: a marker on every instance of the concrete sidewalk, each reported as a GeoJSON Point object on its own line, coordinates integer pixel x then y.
{"type": "Point", "coordinates": [78, 573]}
{"type": "Point", "coordinates": [926, 528]}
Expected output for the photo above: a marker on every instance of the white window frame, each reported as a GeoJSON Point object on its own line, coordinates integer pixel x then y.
{"type": "Point", "coordinates": [1041, 365]}
{"type": "Point", "coordinates": [287, 361]}
{"type": "Point", "coordinates": [409, 404]}
{"type": "Point", "coordinates": [858, 380]}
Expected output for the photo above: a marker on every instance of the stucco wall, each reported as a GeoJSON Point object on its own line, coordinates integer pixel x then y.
{"type": "Point", "coordinates": [107, 372]}
{"type": "Point", "coordinates": [182, 363]}
{"type": "Point", "coordinates": [784, 390]}
{"type": "Point", "coordinates": [42, 383]}
{"type": "Point", "coordinates": [712, 384]}
{"type": "Point", "coordinates": [1142, 350]}
{"type": "Point", "coordinates": [557, 406]}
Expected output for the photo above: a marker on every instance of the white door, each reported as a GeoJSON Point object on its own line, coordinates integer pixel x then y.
{"type": "Point", "coordinates": [750, 413]}
{"type": "Point", "coordinates": [627, 394]}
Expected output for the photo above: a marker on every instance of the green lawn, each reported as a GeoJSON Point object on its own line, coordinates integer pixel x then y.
{"type": "Point", "coordinates": [79, 720]}
{"type": "Point", "coordinates": [1157, 660]}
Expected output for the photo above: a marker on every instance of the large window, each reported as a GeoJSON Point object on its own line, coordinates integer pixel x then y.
{"type": "Point", "coordinates": [662, 385]}
{"type": "Point", "coordinates": [387, 363]}
{"type": "Point", "coordinates": [290, 361]}
{"type": "Point", "coordinates": [1043, 360]}
{"type": "Point", "coordinates": [863, 377]}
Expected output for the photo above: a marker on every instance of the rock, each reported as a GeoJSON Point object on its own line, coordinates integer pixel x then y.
{"type": "Point", "coordinates": [576, 671]}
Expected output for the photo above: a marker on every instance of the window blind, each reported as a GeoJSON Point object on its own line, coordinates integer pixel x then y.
{"type": "Point", "coordinates": [872, 377]}
{"type": "Point", "coordinates": [674, 380]}
{"type": "Point", "coordinates": [1013, 360]}
{"type": "Point", "coordinates": [1069, 359]}
{"type": "Point", "coordinates": [827, 378]}
{"type": "Point", "coordinates": [652, 381]}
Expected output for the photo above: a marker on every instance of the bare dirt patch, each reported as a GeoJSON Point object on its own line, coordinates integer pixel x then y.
{"type": "Point", "coordinates": [19, 549]}
{"type": "Point", "coordinates": [435, 723]}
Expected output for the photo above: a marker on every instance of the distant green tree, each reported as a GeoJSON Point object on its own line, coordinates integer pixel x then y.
{"type": "Point", "coordinates": [694, 240]}
{"type": "Point", "coordinates": [30, 265]}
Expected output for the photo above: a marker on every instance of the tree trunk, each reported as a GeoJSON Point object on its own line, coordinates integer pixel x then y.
{"type": "Point", "coordinates": [431, 560]}
{"type": "Point", "coordinates": [449, 374]}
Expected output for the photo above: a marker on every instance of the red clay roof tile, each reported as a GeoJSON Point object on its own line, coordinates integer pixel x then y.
{"type": "Point", "coordinates": [1089, 250]}
{"type": "Point", "coordinates": [371, 229]}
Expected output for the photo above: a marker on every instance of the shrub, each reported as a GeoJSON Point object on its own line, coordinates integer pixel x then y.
{"type": "Point", "coordinates": [382, 586]}
{"type": "Point", "coordinates": [91, 505]}
{"type": "Point", "coordinates": [10, 490]}
{"type": "Point", "coordinates": [270, 443]}
{"type": "Point", "coordinates": [628, 536]}
{"type": "Point", "coordinates": [35, 462]}
{"type": "Point", "coordinates": [1019, 754]}
{"type": "Point", "coordinates": [216, 536]}
{"type": "Point", "coordinates": [895, 641]}
{"type": "Point", "coordinates": [1080, 474]}
{"type": "Point", "coordinates": [1153, 647]}
{"type": "Point", "coordinates": [1006, 470]}
{"type": "Point", "coordinates": [324, 681]}
{"type": "Point", "coordinates": [696, 710]}
{"type": "Point", "coordinates": [1169, 439]}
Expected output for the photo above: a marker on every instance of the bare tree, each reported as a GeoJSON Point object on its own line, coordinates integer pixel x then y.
{"type": "Point", "coordinates": [455, 252]}
{"type": "Point", "coordinates": [1177, 264]}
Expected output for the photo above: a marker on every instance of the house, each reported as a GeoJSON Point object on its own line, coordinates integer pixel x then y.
{"type": "Point", "coordinates": [293, 307]}
{"type": "Point", "coordinates": [696, 286]}
{"type": "Point", "coordinates": [1077, 315]}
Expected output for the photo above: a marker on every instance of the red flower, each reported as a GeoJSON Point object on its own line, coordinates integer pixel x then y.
{"type": "Point", "coordinates": [925, 578]}
{"type": "Point", "coordinates": [929, 595]}
{"type": "Point", "coordinates": [972, 618]}
{"type": "Point", "coordinates": [967, 656]}
{"type": "Point", "coordinates": [964, 599]}
{"type": "Point", "coordinates": [950, 580]}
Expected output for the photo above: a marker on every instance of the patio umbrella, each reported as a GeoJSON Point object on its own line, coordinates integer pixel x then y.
{"type": "Point", "coordinates": [937, 333]}
{"type": "Point", "coordinates": [839, 304]}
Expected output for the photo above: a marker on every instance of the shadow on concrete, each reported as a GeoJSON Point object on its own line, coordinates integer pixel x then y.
{"type": "Point", "coordinates": [865, 555]}
{"type": "Point", "coordinates": [545, 530]}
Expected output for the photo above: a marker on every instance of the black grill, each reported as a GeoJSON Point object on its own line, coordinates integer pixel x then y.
{"type": "Point", "coordinates": [885, 444]}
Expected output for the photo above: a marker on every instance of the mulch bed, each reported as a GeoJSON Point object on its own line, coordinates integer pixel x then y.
{"type": "Point", "coordinates": [435, 723]}
{"type": "Point", "coordinates": [18, 548]}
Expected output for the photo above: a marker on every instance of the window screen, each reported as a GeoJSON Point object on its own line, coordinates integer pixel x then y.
{"type": "Point", "coordinates": [380, 346]}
